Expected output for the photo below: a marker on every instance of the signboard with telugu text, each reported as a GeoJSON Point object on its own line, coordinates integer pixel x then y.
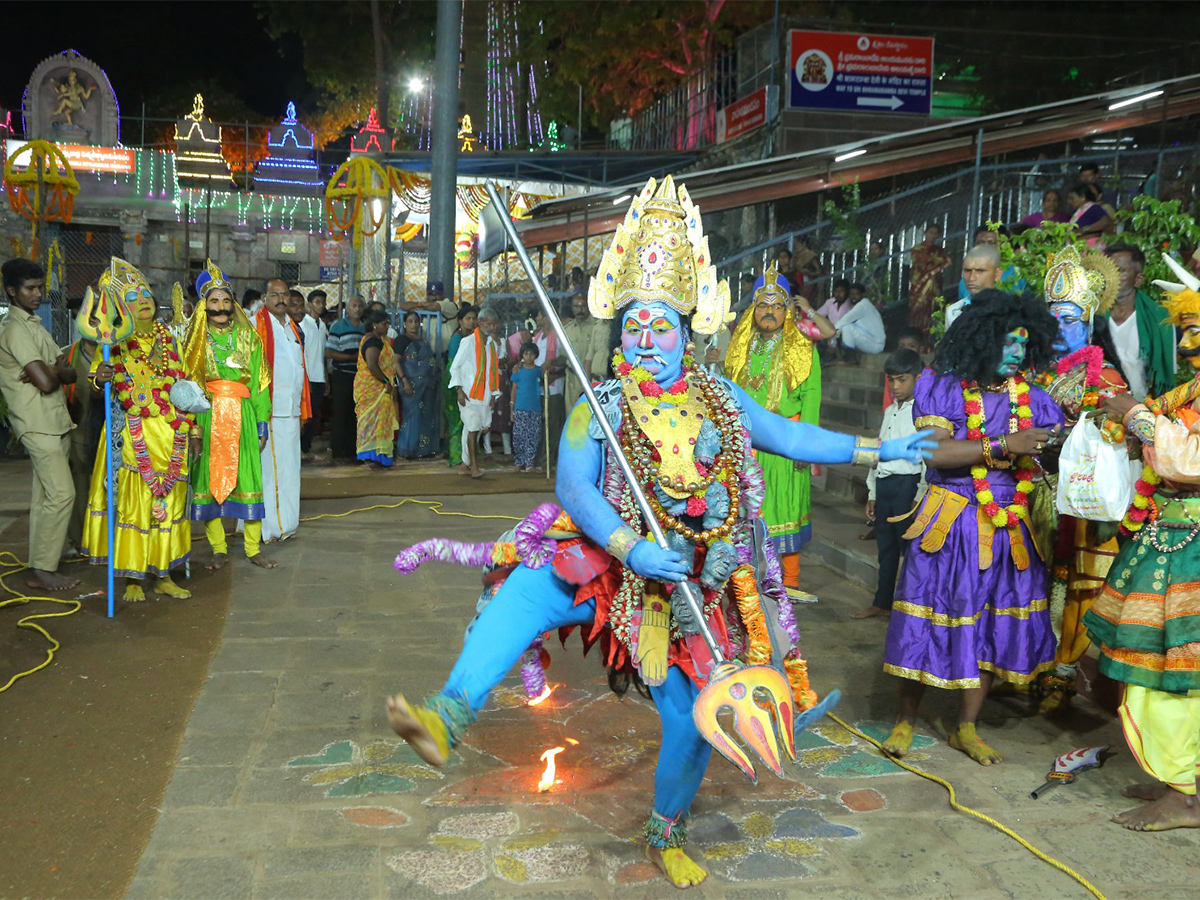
{"type": "Point", "coordinates": [872, 73]}
{"type": "Point", "coordinates": [331, 253]}
{"type": "Point", "coordinates": [83, 158]}
{"type": "Point", "coordinates": [750, 112]}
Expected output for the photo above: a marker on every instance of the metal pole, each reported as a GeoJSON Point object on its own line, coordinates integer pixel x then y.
{"type": "Point", "coordinates": [975, 200]}
{"type": "Point", "coordinates": [110, 471]}
{"type": "Point", "coordinates": [601, 419]}
{"type": "Point", "coordinates": [444, 170]}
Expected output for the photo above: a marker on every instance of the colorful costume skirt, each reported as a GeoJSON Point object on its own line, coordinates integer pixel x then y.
{"type": "Point", "coordinates": [146, 543]}
{"type": "Point", "coordinates": [1147, 618]}
{"type": "Point", "coordinates": [970, 599]}
{"type": "Point", "coordinates": [237, 459]}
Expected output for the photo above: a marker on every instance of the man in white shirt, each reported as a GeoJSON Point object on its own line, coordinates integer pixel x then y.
{"type": "Point", "coordinates": [862, 327]}
{"type": "Point", "coordinates": [475, 375]}
{"type": "Point", "coordinates": [980, 271]}
{"type": "Point", "coordinates": [1144, 338]}
{"type": "Point", "coordinates": [893, 487]}
{"type": "Point", "coordinates": [316, 335]}
{"type": "Point", "coordinates": [284, 353]}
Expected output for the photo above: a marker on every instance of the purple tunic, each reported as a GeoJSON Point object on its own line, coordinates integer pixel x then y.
{"type": "Point", "coordinates": [952, 620]}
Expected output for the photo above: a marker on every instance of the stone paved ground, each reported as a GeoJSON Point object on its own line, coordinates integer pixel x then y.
{"type": "Point", "coordinates": [290, 784]}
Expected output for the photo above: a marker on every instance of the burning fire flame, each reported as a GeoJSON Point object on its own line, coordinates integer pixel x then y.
{"type": "Point", "coordinates": [547, 781]}
{"type": "Point", "coordinates": [546, 692]}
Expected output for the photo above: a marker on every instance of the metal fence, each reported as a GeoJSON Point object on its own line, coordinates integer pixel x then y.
{"type": "Point", "coordinates": [892, 222]}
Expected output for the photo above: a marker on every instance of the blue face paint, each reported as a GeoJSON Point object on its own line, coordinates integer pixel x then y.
{"type": "Point", "coordinates": [1013, 354]}
{"type": "Point", "coordinates": [1072, 328]}
{"type": "Point", "coordinates": [652, 337]}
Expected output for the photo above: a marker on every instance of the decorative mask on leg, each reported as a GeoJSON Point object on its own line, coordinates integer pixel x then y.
{"type": "Point", "coordinates": [652, 336]}
{"type": "Point", "coordinates": [1073, 328]}
{"type": "Point", "coordinates": [1012, 357]}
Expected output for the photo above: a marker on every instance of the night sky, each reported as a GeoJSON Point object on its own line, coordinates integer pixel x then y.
{"type": "Point", "coordinates": [153, 51]}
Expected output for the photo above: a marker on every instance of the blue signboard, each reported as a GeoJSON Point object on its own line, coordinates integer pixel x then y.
{"type": "Point", "coordinates": [863, 73]}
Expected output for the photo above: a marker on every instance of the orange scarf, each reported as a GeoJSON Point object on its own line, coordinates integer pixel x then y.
{"type": "Point", "coordinates": [487, 376]}
{"type": "Point", "coordinates": [262, 324]}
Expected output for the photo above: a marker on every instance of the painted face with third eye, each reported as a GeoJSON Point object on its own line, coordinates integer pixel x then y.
{"type": "Point", "coordinates": [141, 304]}
{"type": "Point", "coordinates": [1072, 328]}
{"type": "Point", "coordinates": [1013, 354]}
{"type": "Point", "coordinates": [652, 337]}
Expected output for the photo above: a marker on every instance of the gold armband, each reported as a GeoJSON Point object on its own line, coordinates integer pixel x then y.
{"type": "Point", "coordinates": [621, 542]}
{"type": "Point", "coordinates": [866, 451]}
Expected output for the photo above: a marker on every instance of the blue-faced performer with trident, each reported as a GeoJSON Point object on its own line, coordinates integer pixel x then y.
{"type": "Point", "coordinates": [654, 553]}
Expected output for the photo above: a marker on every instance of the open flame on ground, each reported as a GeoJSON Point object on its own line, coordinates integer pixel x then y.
{"type": "Point", "coordinates": [548, 780]}
{"type": "Point", "coordinates": [546, 692]}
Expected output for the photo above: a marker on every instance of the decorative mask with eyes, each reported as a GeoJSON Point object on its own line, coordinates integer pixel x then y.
{"type": "Point", "coordinates": [652, 337]}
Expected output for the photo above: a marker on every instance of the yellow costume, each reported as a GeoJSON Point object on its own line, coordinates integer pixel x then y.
{"type": "Point", "coordinates": [152, 531]}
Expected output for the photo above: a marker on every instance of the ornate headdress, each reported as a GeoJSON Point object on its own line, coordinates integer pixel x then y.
{"type": "Point", "coordinates": [121, 277]}
{"type": "Point", "coordinates": [1184, 299]}
{"type": "Point", "coordinates": [1089, 282]}
{"type": "Point", "coordinates": [660, 253]}
{"type": "Point", "coordinates": [792, 356]}
{"type": "Point", "coordinates": [211, 279]}
{"type": "Point", "coordinates": [772, 284]}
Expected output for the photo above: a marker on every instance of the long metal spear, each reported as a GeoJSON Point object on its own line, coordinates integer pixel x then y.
{"type": "Point", "coordinates": [731, 684]}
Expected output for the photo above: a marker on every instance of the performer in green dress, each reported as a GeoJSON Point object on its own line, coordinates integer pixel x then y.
{"type": "Point", "coordinates": [223, 353]}
{"type": "Point", "coordinates": [771, 357]}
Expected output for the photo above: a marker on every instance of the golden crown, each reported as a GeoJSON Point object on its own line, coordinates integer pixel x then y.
{"type": "Point", "coordinates": [660, 253]}
{"type": "Point", "coordinates": [1090, 282]}
{"type": "Point", "coordinates": [771, 286]}
{"type": "Point", "coordinates": [121, 277]}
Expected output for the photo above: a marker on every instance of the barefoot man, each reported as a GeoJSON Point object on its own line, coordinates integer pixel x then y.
{"type": "Point", "coordinates": [1146, 619]}
{"type": "Point", "coordinates": [475, 376]}
{"type": "Point", "coordinates": [223, 353]}
{"type": "Point", "coordinates": [600, 572]}
{"type": "Point", "coordinates": [32, 373]}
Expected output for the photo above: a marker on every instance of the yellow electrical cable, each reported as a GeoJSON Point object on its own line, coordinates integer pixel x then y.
{"type": "Point", "coordinates": [10, 561]}
{"type": "Point", "coordinates": [15, 566]}
{"type": "Point", "coordinates": [1062, 867]}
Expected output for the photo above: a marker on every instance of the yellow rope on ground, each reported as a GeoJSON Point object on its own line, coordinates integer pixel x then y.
{"type": "Point", "coordinates": [14, 566]}
{"type": "Point", "coordinates": [1062, 867]}
{"type": "Point", "coordinates": [434, 506]}
{"type": "Point", "coordinates": [9, 561]}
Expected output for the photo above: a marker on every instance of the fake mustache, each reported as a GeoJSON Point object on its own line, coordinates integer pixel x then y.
{"type": "Point", "coordinates": [1189, 352]}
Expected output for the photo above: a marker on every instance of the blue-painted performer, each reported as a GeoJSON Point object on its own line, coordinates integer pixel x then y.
{"type": "Point", "coordinates": [688, 437]}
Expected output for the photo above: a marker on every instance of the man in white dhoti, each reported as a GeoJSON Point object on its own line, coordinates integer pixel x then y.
{"type": "Point", "coordinates": [475, 373]}
{"type": "Point", "coordinates": [283, 352]}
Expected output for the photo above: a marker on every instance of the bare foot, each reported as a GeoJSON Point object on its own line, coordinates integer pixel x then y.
{"type": "Point", "coordinates": [50, 581]}
{"type": "Point", "coordinates": [1057, 701]}
{"type": "Point", "coordinates": [966, 740]}
{"type": "Point", "coordinates": [899, 740]}
{"type": "Point", "coordinates": [476, 474]}
{"type": "Point", "coordinates": [1148, 790]}
{"type": "Point", "coordinates": [218, 561]}
{"type": "Point", "coordinates": [1172, 810]}
{"type": "Point", "coordinates": [681, 870]}
{"type": "Point", "coordinates": [134, 593]}
{"type": "Point", "coordinates": [261, 561]}
{"type": "Point", "coordinates": [871, 612]}
{"type": "Point", "coordinates": [410, 725]}
{"type": "Point", "coordinates": [166, 586]}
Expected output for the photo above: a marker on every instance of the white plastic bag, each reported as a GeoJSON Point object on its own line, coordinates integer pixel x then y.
{"type": "Point", "coordinates": [1095, 479]}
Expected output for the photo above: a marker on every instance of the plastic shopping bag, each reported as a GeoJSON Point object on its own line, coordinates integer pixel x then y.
{"type": "Point", "coordinates": [1095, 478]}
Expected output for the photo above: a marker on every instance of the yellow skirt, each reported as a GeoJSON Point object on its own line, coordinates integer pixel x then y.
{"type": "Point", "coordinates": [145, 544]}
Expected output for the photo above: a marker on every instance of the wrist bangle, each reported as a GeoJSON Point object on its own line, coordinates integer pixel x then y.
{"type": "Point", "coordinates": [988, 459]}
{"type": "Point", "coordinates": [621, 542]}
{"type": "Point", "coordinates": [866, 451]}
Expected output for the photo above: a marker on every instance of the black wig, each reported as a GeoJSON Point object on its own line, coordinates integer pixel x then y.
{"type": "Point", "coordinates": [973, 346]}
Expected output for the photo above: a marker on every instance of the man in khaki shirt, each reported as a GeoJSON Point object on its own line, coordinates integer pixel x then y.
{"type": "Point", "coordinates": [32, 373]}
{"type": "Point", "coordinates": [589, 340]}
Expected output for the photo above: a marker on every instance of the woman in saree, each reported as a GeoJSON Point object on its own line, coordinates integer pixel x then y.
{"type": "Point", "coordinates": [929, 260]}
{"type": "Point", "coordinates": [375, 401]}
{"type": "Point", "coordinates": [418, 391]}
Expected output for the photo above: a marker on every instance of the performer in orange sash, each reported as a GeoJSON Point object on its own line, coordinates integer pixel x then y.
{"type": "Point", "coordinates": [222, 352]}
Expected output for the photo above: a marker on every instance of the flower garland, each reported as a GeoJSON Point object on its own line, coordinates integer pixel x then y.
{"type": "Point", "coordinates": [139, 405]}
{"type": "Point", "coordinates": [1143, 506]}
{"type": "Point", "coordinates": [1020, 418]}
{"type": "Point", "coordinates": [677, 393]}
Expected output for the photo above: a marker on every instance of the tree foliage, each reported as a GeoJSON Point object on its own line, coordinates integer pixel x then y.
{"type": "Point", "coordinates": [626, 53]}
{"type": "Point", "coordinates": [339, 48]}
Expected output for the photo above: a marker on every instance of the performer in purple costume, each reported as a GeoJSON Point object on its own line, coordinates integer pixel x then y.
{"type": "Point", "coordinates": [971, 602]}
